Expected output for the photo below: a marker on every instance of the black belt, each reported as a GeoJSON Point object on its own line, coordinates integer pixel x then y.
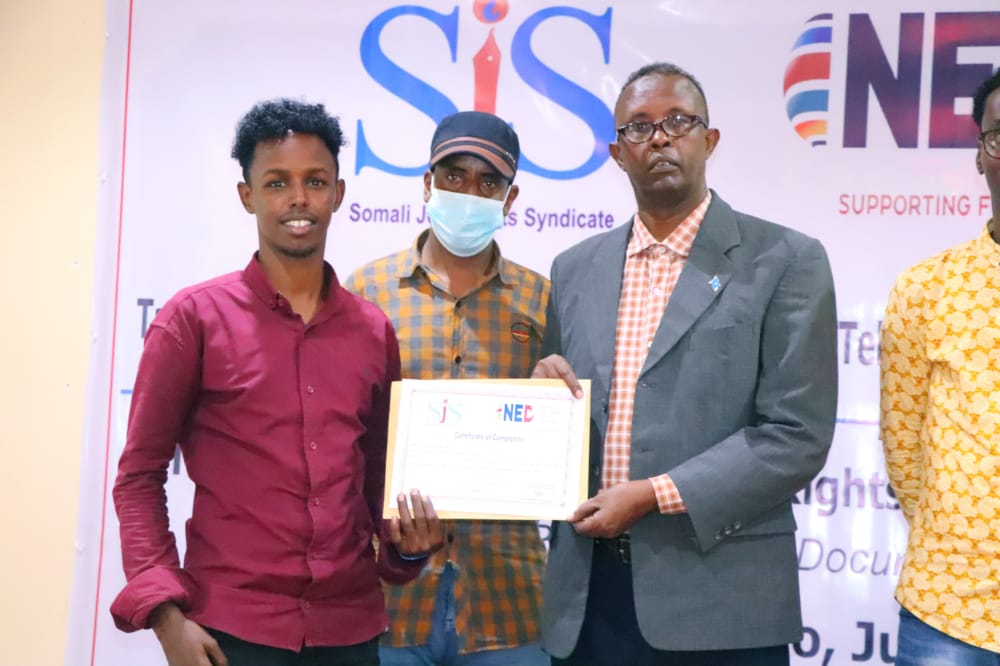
{"type": "Point", "coordinates": [620, 546]}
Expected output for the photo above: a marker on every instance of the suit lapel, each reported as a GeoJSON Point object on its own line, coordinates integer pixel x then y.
{"type": "Point", "coordinates": [606, 271]}
{"type": "Point", "coordinates": [704, 278]}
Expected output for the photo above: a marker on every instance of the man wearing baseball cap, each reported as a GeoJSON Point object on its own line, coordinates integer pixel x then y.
{"type": "Point", "coordinates": [463, 311]}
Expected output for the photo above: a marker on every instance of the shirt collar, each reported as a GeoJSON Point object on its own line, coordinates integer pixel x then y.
{"type": "Point", "coordinates": [410, 262]}
{"type": "Point", "coordinates": [679, 241]}
{"type": "Point", "coordinates": [256, 279]}
{"type": "Point", "coordinates": [986, 240]}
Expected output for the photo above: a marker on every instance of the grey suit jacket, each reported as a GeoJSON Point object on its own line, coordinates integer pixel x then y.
{"type": "Point", "coordinates": [736, 401]}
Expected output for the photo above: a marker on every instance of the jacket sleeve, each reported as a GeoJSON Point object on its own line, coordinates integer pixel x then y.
{"type": "Point", "coordinates": [735, 482]}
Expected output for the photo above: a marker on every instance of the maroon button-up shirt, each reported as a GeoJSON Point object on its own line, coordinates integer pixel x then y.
{"type": "Point", "coordinates": [283, 430]}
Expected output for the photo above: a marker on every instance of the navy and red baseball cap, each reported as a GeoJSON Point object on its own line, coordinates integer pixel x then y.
{"type": "Point", "coordinates": [480, 134]}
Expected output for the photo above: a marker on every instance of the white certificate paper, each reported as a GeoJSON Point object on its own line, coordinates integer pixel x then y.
{"type": "Point", "coordinates": [496, 449]}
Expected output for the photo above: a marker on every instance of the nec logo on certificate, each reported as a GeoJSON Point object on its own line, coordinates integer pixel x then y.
{"type": "Point", "coordinates": [487, 63]}
{"type": "Point", "coordinates": [516, 413]}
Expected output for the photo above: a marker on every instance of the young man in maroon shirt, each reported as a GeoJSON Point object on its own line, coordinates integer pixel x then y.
{"type": "Point", "coordinates": [274, 381]}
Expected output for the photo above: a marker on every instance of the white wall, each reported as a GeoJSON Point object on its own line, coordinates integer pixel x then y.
{"type": "Point", "coordinates": [50, 68]}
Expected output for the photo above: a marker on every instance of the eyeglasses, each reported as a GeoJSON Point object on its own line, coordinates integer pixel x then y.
{"type": "Point", "coordinates": [991, 142]}
{"type": "Point", "coordinates": [674, 126]}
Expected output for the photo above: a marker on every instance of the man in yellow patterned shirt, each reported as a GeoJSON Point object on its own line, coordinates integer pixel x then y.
{"type": "Point", "coordinates": [941, 433]}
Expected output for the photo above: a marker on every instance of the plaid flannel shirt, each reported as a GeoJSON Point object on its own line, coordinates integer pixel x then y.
{"type": "Point", "coordinates": [651, 272]}
{"type": "Point", "coordinates": [495, 331]}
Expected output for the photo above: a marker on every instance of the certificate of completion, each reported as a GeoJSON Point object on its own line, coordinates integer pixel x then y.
{"type": "Point", "coordinates": [497, 449]}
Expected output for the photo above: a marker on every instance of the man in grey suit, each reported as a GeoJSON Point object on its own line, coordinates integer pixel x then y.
{"type": "Point", "coordinates": [709, 336]}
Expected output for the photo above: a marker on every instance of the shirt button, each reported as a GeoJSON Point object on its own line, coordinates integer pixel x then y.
{"type": "Point", "coordinates": [313, 445]}
{"type": "Point", "coordinates": [306, 604]}
{"type": "Point", "coordinates": [315, 501]}
{"type": "Point", "coordinates": [310, 389]}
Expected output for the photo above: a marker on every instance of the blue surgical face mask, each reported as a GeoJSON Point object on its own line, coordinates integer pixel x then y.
{"type": "Point", "coordinates": [463, 223]}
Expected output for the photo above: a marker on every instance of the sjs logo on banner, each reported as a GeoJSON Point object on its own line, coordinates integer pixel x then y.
{"type": "Point", "coordinates": [430, 101]}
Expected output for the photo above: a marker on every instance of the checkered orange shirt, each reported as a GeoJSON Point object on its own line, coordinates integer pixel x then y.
{"type": "Point", "coordinates": [496, 331]}
{"type": "Point", "coordinates": [651, 272]}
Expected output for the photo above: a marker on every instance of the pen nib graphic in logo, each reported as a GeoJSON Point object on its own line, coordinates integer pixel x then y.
{"type": "Point", "coordinates": [807, 80]}
{"type": "Point", "coordinates": [486, 62]}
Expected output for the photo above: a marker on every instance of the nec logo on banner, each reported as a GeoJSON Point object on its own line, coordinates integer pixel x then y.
{"type": "Point", "coordinates": [892, 80]}
{"type": "Point", "coordinates": [487, 62]}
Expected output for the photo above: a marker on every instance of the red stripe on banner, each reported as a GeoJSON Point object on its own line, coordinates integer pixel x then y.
{"type": "Point", "coordinates": [807, 68]}
{"type": "Point", "coordinates": [114, 339]}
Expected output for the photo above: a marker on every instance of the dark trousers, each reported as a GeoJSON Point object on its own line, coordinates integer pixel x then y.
{"type": "Point", "coordinates": [243, 653]}
{"type": "Point", "coordinates": [610, 634]}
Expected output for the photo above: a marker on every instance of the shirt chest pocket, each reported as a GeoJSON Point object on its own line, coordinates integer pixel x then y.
{"type": "Point", "coordinates": [727, 352]}
{"type": "Point", "coordinates": [234, 368]}
{"type": "Point", "coordinates": [713, 339]}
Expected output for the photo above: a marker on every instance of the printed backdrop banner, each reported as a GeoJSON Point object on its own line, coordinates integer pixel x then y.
{"type": "Point", "coordinates": [847, 120]}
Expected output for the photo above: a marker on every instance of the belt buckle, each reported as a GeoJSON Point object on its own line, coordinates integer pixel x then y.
{"type": "Point", "coordinates": [620, 545]}
{"type": "Point", "coordinates": [623, 545]}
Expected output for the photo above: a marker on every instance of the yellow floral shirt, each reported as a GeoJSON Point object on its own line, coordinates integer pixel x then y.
{"type": "Point", "coordinates": [941, 433]}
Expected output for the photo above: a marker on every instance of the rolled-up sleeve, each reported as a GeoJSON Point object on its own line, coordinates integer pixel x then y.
{"type": "Point", "coordinates": [165, 385]}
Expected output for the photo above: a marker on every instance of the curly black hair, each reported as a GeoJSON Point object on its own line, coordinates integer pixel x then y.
{"type": "Point", "coordinates": [984, 90]}
{"type": "Point", "coordinates": [274, 119]}
{"type": "Point", "coordinates": [665, 69]}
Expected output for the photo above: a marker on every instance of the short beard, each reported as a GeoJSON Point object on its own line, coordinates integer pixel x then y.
{"type": "Point", "coordinates": [298, 253]}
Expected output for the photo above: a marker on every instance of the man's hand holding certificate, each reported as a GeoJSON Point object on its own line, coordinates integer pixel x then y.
{"type": "Point", "coordinates": [510, 449]}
